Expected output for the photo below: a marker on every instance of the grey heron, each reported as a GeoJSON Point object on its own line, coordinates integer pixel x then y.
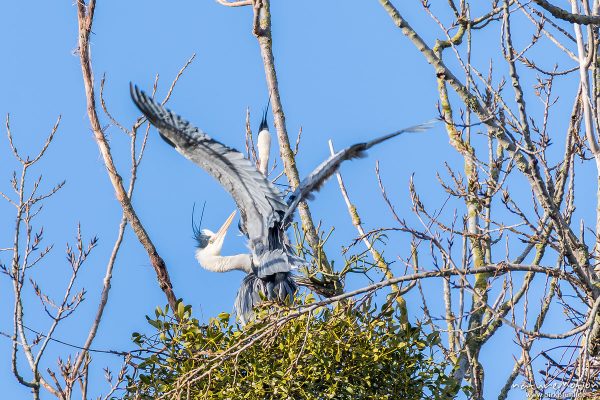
{"type": "Point", "coordinates": [263, 142]}
{"type": "Point", "coordinates": [264, 213]}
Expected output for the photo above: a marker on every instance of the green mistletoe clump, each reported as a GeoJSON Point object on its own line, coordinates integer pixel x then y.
{"type": "Point", "coordinates": [337, 352]}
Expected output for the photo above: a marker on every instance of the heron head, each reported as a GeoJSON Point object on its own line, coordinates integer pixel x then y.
{"type": "Point", "coordinates": [264, 126]}
{"type": "Point", "coordinates": [209, 240]}
{"type": "Point", "coordinates": [203, 237]}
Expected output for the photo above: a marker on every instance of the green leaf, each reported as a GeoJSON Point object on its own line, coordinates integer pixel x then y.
{"type": "Point", "coordinates": [223, 316]}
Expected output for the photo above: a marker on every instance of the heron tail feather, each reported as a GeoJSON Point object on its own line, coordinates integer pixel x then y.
{"type": "Point", "coordinates": [279, 287]}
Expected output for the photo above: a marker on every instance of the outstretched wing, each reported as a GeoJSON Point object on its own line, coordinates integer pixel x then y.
{"type": "Point", "coordinates": [317, 178]}
{"type": "Point", "coordinates": [259, 202]}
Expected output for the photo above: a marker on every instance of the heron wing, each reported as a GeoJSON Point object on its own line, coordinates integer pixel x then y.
{"type": "Point", "coordinates": [259, 202]}
{"type": "Point", "coordinates": [327, 168]}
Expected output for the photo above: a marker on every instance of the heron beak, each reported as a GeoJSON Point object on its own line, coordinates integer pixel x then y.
{"type": "Point", "coordinates": [223, 229]}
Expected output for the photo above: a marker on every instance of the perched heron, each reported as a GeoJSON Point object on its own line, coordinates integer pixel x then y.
{"type": "Point", "coordinates": [263, 143]}
{"type": "Point", "coordinates": [264, 213]}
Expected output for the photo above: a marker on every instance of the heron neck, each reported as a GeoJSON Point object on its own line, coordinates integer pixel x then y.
{"type": "Point", "coordinates": [264, 147]}
{"type": "Point", "coordinates": [217, 263]}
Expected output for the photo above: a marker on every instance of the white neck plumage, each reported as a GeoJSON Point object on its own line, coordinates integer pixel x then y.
{"type": "Point", "coordinates": [264, 147]}
{"type": "Point", "coordinates": [218, 263]}
{"type": "Point", "coordinates": [209, 255]}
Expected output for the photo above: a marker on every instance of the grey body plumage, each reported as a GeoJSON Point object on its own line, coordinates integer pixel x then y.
{"type": "Point", "coordinates": [264, 214]}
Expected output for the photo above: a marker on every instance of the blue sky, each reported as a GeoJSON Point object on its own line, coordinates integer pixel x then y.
{"type": "Point", "coordinates": [345, 72]}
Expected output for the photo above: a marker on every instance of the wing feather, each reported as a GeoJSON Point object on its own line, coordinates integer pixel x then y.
{"type": "Point", "coordinates": [327, 168]}
{"type": "Point", "coordinates": [259, 201]}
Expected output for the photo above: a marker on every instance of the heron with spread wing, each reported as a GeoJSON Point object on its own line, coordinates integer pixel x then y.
{"type": "Point", "coordinates": [264, 213]}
